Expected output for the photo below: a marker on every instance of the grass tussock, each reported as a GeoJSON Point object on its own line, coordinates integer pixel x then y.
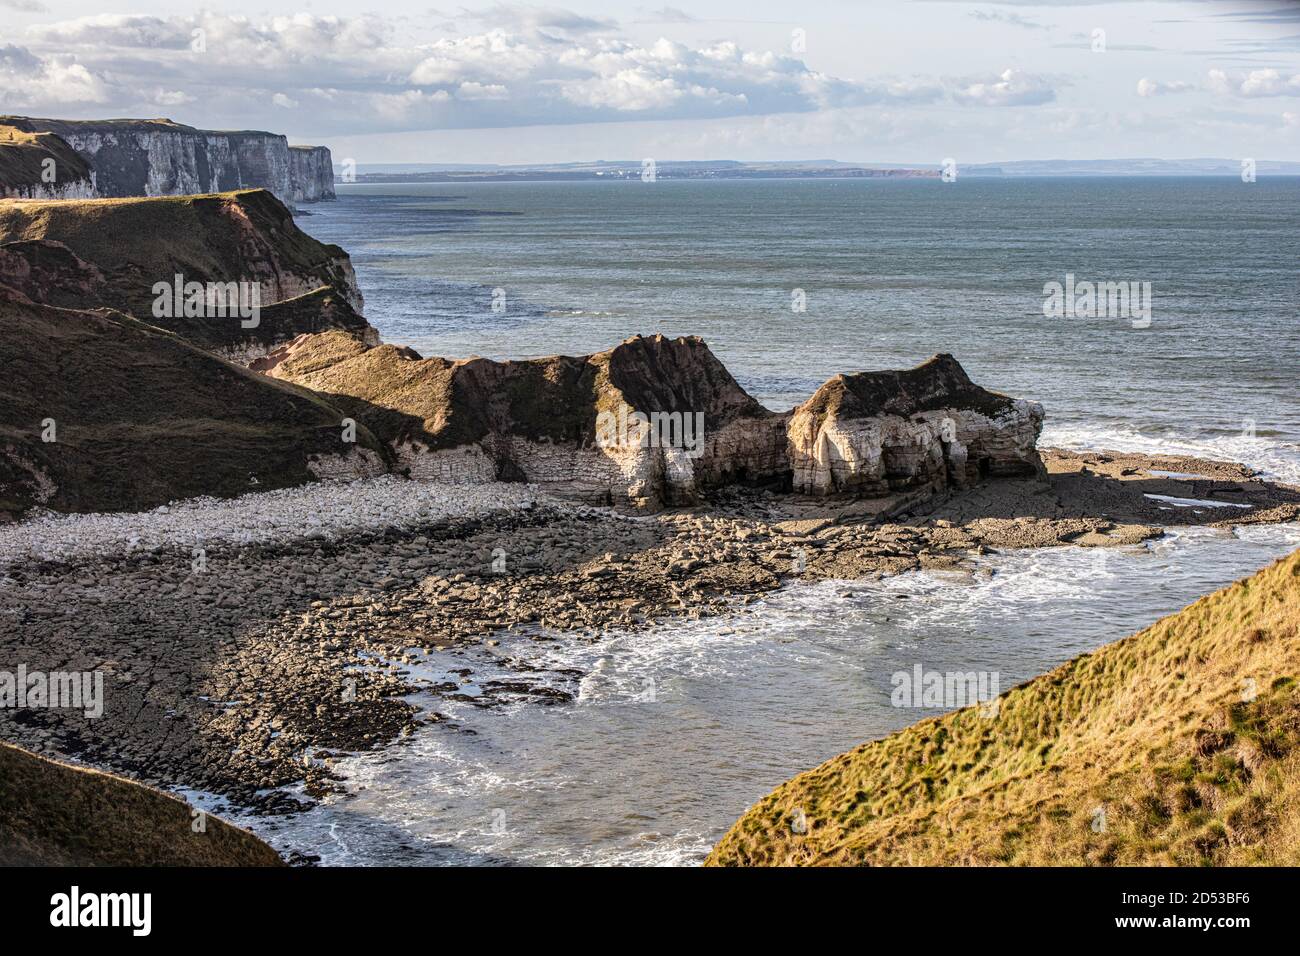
{"type": "Point", "coordinates": [1179, 745]}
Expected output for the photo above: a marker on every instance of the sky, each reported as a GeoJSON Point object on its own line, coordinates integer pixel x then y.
{"type": "Point", "coordinates": [886, 81]}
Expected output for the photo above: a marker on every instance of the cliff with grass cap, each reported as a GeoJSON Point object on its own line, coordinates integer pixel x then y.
{"type": "Point", "coordinates": [1179, 745]}
{"type": "Point", "coordinates": [659, 422]}
{"type": "Point", "coordinates": [41, 166]}
{"type": "Point", "coordinates": [135, 245]}
{"type": "Point", "coordinates": [160, 157]}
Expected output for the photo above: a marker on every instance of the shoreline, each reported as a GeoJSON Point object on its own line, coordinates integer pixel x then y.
{"type": "Point", "coordinates": [244, 680]}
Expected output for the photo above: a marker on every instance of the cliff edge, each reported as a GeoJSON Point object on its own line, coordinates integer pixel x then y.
{"type": "Point", "coordinates": [132, 254]}
{"type": "Point", "coordinates": [102, 412]}
{"type": "Point", "coordinates": [1179, 745]}
{"type": "Point", "coordinates": [158, 157]}
{"type": "Point", "coordinates": [55, 814]}
{"type": "Point", "coordinates": [659, 422]}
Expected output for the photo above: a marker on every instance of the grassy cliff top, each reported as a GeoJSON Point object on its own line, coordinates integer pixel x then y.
{"type": "Point", "coordinates": [1178, 745]}
{"type": "Point", "coordinates": [938, 382]}
{"type": "Point", "coordinates": [23, 153]}
{"type": "Point", "coordinates": [157, 125]}
{"type": "Point", "coordinates": [137, 243]}
{"type": "Point", "coordinates": [202, 235]}
{"type": "Point", "coordinates": [55, 814]}
{"type": "Point", "coordinates": [447, 403]}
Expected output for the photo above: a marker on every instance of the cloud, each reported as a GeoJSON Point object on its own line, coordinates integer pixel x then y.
{"type": "Point", "coordinates": [364, 75]}
{"type": "Point", "coordinates": [28, 81]}
{"type": "Point", "coordinates": [1011, 19]}
{"type": "Point", "coordinates": [668, 15]}
{"type": "Point", "coordinates": [541, 21]}
{"type": "Point", "coordinates": [479, 91]}
{"type": "Point", "coordinates": [1150, 87]}
{"type": "Point", "coordinates": [171, 97]}
{"type": "Point", "coordinates": [1256, 83]}
{"type": "Point", "coordinates": [1011, 87]}
{"type": "Point", "coordinates": [360, 74]}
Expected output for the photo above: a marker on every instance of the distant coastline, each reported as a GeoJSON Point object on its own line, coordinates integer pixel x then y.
{"type": "Point", "coordinates": [348, 172]}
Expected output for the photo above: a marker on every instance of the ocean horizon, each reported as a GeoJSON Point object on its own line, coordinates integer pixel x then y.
{"type": "Point", "coordinates": [793, 281]}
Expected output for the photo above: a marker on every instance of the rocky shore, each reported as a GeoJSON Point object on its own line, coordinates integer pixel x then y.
{"type": "Point", "coordinates": [249, 643]}
{"type": "Point", "coordinates": [370, 505]}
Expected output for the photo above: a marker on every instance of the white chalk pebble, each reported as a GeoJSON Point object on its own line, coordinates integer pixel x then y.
{"type": "Point", "coordinates": [331, 509]}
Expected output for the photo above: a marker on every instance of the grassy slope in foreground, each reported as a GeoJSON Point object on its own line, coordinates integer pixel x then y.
{"type": "Point", "coordinates": [1185, 733]}
{"type": "Point", "coordinates": [54, 814]}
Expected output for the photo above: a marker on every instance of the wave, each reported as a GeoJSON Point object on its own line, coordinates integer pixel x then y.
{"type": "Point", "coordinates": [671, 733]}
{"type": "Point", "coordinates": [1274, 459]}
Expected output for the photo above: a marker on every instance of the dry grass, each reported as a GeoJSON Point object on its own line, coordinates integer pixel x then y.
{"type": "Point", "coordinates": [143, 417]}
{"type": "Point", "coordinates": [1185, 734]}
{"type": "Point", "coordinates": [54, 814]}
{"type": "Point", "coordinates": [22, 155]}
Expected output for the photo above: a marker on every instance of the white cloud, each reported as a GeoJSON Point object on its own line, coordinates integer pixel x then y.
{"type": "Point", "coordinates": [171, 97]}
{"type": "Point", "coordinates": [1012, 19]}
{"type": "Point", "coordinates": [30, 82]}
{"type": "Point", "coordinates": [482, 91]}
{"type": "Point", "coordinates": [1255, 83]}
{"type": "Point", "coordinates": [1010, 88]}
{"type": "Point", "coordinates": [541, 21]}
{"type": "Point", "coordinates": [361, 74]}
{"type": "Point", "coordinates": [1150, 87]}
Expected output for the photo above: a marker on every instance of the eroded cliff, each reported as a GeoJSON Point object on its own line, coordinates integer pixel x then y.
{"type": "Point", "coordinates": [126, 254]}
{"type": "Point", "coordinates": [157, 157]}
{"type": "Point", "coordinates": [41, 166]}
{"type": "Point", "coordinates": [877, 432]}
{"type": "Point", "coordinates": [101, 412]}
{"type": "Point", "coordinates": [659, 421]}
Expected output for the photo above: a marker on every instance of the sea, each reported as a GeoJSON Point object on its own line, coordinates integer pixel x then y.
{"type": "Point", "coordinates": [669, 735]}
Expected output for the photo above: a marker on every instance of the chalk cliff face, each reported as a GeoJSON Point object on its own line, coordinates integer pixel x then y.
{"type": "Point", "coordinates": [115, 253]}
{"type": "Point", "coordinates": [657, 422]}
{"type": "Point", "coordinates": [565, 423]}
{"type": "Point", "coordinates": [880, 432]}
{"type": "Point", "coordinates": [311, 171]}
{"type": "Point", "coordinates": [160, 158]}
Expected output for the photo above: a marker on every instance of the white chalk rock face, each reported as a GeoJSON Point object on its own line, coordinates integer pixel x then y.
{"type": "Point", "coordinates": [311, 173]}
{"type": "Point", "coordinates": [657, 422]}
{"type": "Point", "coordinates": [878, 433]}
{"type": "Point", "coordinates": [157, 157]}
